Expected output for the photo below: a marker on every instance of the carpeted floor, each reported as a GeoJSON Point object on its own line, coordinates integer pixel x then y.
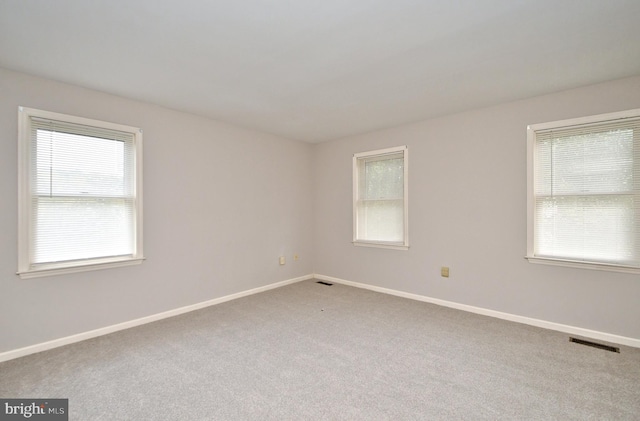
{"type": "Point", "coordinates": [308, 351]}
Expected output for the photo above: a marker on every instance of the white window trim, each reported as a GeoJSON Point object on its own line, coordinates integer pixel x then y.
{"type": "Point", "coordinates": [24, 199]}
{"type": "Point", "coordinates": [382, 244]}
{"type": "Point", "coordinates": [531, 137]}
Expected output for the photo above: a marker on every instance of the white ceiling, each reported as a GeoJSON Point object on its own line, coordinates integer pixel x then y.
{"type": "Point", "coordinates": [320, 70]}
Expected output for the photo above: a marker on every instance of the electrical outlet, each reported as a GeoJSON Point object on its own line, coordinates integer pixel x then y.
{"type": "Point", "coordinates": [444, 271]}
{"type": "Point", "coordinates": [283, 260]}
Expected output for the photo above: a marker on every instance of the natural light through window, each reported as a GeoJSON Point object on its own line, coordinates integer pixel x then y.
{"type": "Point", "coordinates": [80, 193]}
{"type": "Point", "coordinates": [585, 191]}
{"type": "Point", "coordinates": [380, 198]}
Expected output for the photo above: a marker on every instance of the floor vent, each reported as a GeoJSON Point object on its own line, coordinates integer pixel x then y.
{"type": "Point", "coordinates": [324, 283]}
{"type": "Point", "coordinates": [595, 345]}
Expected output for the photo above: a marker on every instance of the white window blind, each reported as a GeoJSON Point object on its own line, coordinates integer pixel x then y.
{"type": "Point", "coordinates": [586, 191]}
{"type": "Point", "coordinates": [83, 198]}
{"type": "Point", "coordinates": [380, 213]}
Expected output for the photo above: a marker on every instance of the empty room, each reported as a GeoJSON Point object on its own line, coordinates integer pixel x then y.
{"type": "Point", "coordinates": [336, 210]}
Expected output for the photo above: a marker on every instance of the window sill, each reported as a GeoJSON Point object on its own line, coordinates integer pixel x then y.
{"type": "Point", "coordinates": [381, 245]}
{"type": "Point", "coordinates": [583, 265]}
{"type": "Point", "coordinates": [89, 266]}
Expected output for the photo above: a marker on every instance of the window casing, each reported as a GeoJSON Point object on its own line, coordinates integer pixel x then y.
{"type": "Point", "coordinates": [584, 192]}
{"type": "Point", "coordinates": [380, 198]}
{"type": "Point", "coordinates": [80, 194]}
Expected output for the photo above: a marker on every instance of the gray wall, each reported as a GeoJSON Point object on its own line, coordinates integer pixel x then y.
{"type": "Point", "coordinates": [467, 210]}
{"type": "Point", "coordinates": [220, 205]}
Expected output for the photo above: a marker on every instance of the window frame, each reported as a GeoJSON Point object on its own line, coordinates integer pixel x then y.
{"type": "Point", "coordinates": [531, 198]}
{"type": "Point", "coordinates": [26, 269]}
{"type": "Point", "coordinates": [404, 244]}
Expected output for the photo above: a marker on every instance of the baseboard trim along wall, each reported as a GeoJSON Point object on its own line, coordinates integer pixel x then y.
{"type": "Point", "coordinates": [572, 330]}
{"type": "Point", "coordinates": [32, 349]}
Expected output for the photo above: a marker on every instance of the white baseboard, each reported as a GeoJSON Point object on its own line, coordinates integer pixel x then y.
{"type": "Point", "coordinates": [602, 336]}
{"type": "Point", "coordinates": [32, 349]}
{"type": "Point", "coordinates": [572, 330]}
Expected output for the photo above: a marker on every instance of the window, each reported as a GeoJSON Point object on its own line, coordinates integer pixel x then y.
{"type": "Point", "coordinates": [584, 192]}
{"type": "Point", "coordinates": [80, 186]}
{"type": "Point", "coordinates": [380, 198]}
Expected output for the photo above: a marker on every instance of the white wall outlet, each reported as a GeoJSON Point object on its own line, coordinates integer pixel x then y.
{"type": "Point", "coordinates": [283, 260]}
